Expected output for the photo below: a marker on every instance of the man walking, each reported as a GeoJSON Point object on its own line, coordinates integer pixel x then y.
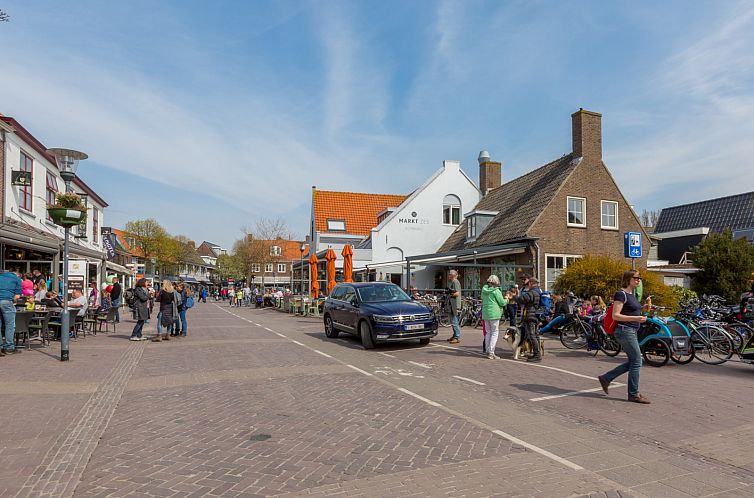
{"type": "Point", "coordinates": [10, 289]}
{"type": "Point", "coordinates": [454, 288]}
{"type": "Point", "coordinates": [529, 300]}
{"type": "Point", "coordinates": [115, 297]}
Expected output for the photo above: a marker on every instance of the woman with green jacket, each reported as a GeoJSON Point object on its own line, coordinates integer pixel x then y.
{"type": "Point", "coordinates": [493, 304]}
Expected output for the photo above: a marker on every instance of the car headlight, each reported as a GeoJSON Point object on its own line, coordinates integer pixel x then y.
{"type": "Point", "coordinates": [383, 318]}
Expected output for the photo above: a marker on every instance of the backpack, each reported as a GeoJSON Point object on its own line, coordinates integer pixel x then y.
{"type": "Point", "coordinates": [130, 296]}
{"type": "Point", "coordinates": [189, 302]}
{"type": "Point", "coordinates": [609, 323]}
{"type": "Point", "coordinates": [545, 304]}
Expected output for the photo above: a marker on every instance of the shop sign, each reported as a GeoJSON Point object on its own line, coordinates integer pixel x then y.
{"type": "Point", "coordinates": [77, 267]}
{"type": "Point", "coordinates": [20, 178]}
{"type": "Point", "coordinates": [108, 243]}
{"type": "Point", "coordinates": [413, 220]}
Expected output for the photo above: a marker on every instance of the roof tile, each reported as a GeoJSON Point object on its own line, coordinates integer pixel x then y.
{"type": "Point", "coordinates": [358, 210]}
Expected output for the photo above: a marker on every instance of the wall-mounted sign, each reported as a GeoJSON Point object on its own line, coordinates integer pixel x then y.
{"type": "Point", "coordinates": [20, 178]}
{"type": "Point", "coordinates": [106, 230]}
{"type": "Point", "coordinates": [109, 246]}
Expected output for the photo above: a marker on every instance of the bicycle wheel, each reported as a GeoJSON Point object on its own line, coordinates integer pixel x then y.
{"type": "Point", "coordinates": [682, 359]}
{"type": "Point", "coordinates": [608, 344]}
{"type": "Point", "coordinates": [656, 352]}
{"type": "Point", "coordinates": [443, 319]}
{"type": "Point", "coordinates": [572, 336]}
{"type": "Point", "coordinates": [711, 345]}
{"type": "Point", "coordinates": [741, 334]}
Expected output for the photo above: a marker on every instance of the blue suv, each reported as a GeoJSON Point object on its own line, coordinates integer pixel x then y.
{"type": "Point", "coordinates": [377, 312]}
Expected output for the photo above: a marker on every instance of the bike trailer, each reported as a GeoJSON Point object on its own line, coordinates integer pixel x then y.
{"type": "Point", "coordinates": [673, 332]}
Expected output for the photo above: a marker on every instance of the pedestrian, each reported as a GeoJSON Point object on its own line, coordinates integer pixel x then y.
{"type": "Point", "coordinates": [93, 294]}
{"type": "Point", "coordinates": [168, 311]}
{"type": "Point", "coordinates": [454, 293]}
{"type": "Point", "coordinates": [183, 301]}
{"type": "Point", "coordinates": [627, 312]}
{"type": "Point", "coordinates": [493, 303]}
{"type": "Point", "coordinates": [10, 290]}
{"type": "Point", "coordinates": [141, 308]}
{"type": "Point", "coordinates": [203, 295]}
{"type": "Point", "coordinates": [115, 298]}
{"type": "Point", "coordinates": [529, 299]}
{"type": "Point", "coordinates": [27, 286]}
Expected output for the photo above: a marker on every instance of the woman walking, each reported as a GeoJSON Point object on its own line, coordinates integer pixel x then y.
{"type": "Point", "coordinates": [141, 308]}
{"type": "Point", "coordinates": [627, 314]}
{"type": "Point", "coordinates": [493, 304]}
{"type": "Point", "coordinates": [168, 312]}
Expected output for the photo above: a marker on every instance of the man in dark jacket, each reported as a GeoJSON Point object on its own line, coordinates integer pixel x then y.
{"type": "Point", "coordinates": [529, 300]}
{"type": "Point", "coordinates": [115, 297]}
{"type": "Point", "coordinates": [184, 294]}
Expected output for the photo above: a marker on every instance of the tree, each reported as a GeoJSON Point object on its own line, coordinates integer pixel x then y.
{"type": "Point", "coordinates": [230, 266]}
{"type": "Point", "coordinates": [255, 248]}
{"type": "Point", "coordinates": [149, 238]}
{"type": "Point", "coordinates": [4, 17]}
{"type": "Point", "coordinates": [725, 265]}
{"type": "Point", "coordinates": [649, 218]}
{"type": "Point", "coordinates": [601, 276]}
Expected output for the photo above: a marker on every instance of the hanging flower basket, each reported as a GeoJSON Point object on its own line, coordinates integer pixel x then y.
{"type": "Point", "coordinates": [66, 217]}
{"type": "Point", "coordinates": [68, 211]}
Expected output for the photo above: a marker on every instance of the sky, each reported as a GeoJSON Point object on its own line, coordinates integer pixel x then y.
{"type": "Point", "coordinates": [208, 116]}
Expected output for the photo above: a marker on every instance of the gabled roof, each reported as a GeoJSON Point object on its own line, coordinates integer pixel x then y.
{"type": "Point", "coordinates": [734, 212]}
{"type": "Point", "coordinates": [121, 236]}
{"type": "Point", "coordinates": [358, 210]}
{"type": "Point", "coordinates": [518, 203]}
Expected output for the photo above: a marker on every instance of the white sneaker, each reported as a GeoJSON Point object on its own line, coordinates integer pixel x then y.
{"type": "Point", "coordinates": [143, 338]}
{"type": "Point", "coordinates": [492, 356]}
{"type": "Point", "coordinates": [134, 338]}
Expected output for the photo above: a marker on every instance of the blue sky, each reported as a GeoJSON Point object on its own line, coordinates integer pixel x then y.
{"type": "Point", "coordinates": [208, 115]}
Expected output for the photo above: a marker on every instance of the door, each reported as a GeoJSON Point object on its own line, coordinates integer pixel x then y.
{"type": "Point", "coordinates": [350, 313]}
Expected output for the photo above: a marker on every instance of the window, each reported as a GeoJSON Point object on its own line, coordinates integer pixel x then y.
{"type": "Point", "coordinates": [95, 225]}
{"type": "Point", "coordinates": [556, 263]}
{"type": "Point", "coordinates": [51, 184]}
{"type": "Point", "coordinates": [255, 268]}
{"type": "Point", "coordinates": [336, 225]}
{"type": "Point", "coordinates": [451, 210]}
{"type": "Point", "coordinates": [338, 292]}
{"type": "Point", "coordinates": [576, 212]}
{"type": "Point", "coordinates": [609, 211]}
{"type": "Point", "coordinates": [25, 193]}
{"type": "Point", "coordinates": [268, 268]}
{"type": "Point", "coordinates": [281, 267]}
{"type": "Point", "coordinates": [471, 228]}
{"type": "Point", "coordinates": [276, 251]}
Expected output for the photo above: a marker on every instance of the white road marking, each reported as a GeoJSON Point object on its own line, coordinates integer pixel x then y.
{"type": "Point", "coordinates": [320, 352]}
{"type": "Point", "coordinates": [281, 335]}
{"type": "Point", "coordinates": [299, 343]}
{"type": "Point", "coordinates": [423, 365]}
{"type": "Point", "coordinates": [573, 393]}
{"type": "Point", "coordinates": [428, 401]}
{"type": "Point", "coordinates": [470, 380]}
{"type": "Point", "coordinates": [388, 355]}
{"type": "Point", "coordinates": [360, 370]}
{"type": "Point", "coordinates": [521, 362]}
{"type": "Point", "coordinates": [539, 450]}
{"type": "Point", "coordinates": [268, 329]}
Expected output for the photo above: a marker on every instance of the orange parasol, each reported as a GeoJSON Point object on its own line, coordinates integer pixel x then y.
{"type": "Point", "coordinates": [330, 257]}
{"type": "Point", "coordinates": [313, 275]}
{"type": "Point", "coordinates": [347, 263]}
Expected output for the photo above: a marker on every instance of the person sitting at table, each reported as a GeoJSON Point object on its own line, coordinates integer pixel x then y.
{"type": "Point", "coordinates": [41, 292]}
{"type": "Point", "coordinates": [79, 302]}
{"type": "Point", "coordinates": [105, 301]}
{"type": "Point", "coordinates": [29, 303]}
{"type": "Point", "coordinates": [50, 301]}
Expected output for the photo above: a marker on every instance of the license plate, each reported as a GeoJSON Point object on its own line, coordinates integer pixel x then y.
{"type": "Point", "coordinates": [417, 326]}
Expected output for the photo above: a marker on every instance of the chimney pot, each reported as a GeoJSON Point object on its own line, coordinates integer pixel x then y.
{"type": "Point", "coordinates": [490, 173]}
{"type": "Point", "coordinates": [587, 134]}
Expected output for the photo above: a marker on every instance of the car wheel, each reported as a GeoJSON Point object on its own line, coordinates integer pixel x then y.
{"type": "Point", "coordinates": [330, 331]}
{"type": "Point", "coordinates": [424, 341]}
{"type": "Point", "coordinates": [365, 331]}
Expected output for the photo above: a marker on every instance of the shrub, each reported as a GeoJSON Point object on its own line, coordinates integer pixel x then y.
{"type": "Point", "coordinates": [725, 265]}
{"type": "Point", "coordinates": [68, 200]}
{"type": "Point", "coordinates": [601, 276]}
{"type": "Point", "coordinates": [683, 294]}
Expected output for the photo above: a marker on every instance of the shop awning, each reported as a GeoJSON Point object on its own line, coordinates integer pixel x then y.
{"type": "Point", "coordinates": [27, 239]}
{"type": "Point", "coordinates": [118, 268]}
{"type": "Point", "coordinates": [469, 254]}
{"type": "Point", "coordinates": [190, 280]}
{"type": "Point", "coordinates": [77, 250]}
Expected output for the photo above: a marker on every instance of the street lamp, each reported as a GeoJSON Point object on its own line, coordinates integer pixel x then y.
{"type": "Point", "coordinates": [302, 249]}
{"type": "Point", "coordinates": [67, 161]}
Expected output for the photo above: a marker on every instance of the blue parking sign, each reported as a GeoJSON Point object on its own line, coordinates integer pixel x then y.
{"type": "Point", "coordinates": [632, 244]}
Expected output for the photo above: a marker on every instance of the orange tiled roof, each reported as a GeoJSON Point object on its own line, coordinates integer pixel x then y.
{"type": "Point", "coordinates": [358, 210]}
{"type": "Point", "coordinates": [135, 251]}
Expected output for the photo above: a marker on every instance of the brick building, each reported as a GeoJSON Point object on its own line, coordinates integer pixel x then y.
{"type": "Point", "coordinates": [540, 222]}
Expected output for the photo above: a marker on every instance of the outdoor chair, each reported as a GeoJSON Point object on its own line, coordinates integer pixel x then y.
{"type": "Point", "coordinates": [90, 320]}
{"type": "Point", "coordinates": [40, 325]}
{"type": "Point", "coordinates": [108, 320]}
{"type": "Point", "coordinates": [23, 318]}
{"type": "Point", "coordinates": [312, 307]}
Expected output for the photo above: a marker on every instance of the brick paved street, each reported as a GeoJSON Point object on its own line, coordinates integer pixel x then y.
{"type": "Point", "coordinates": [260, 403]}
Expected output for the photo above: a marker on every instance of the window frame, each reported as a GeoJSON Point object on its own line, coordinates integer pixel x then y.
{"type": "Point", "coordinates": [565, 260]}
{"type": "Point", "coordinates": [451, 212]}
{"type": "Point", "coordinates": [603, 203]}
{"type": "Point", "coordinates": [336, 220]}
{"type": "Point", "coordinates": [276, 251]}
{"type": "Point", "coordinates": [281, 265]}
{"type": "Point", "coordinates": [256, 268]}
{"type": "Point", "coordinates": [95, 225]}
{"type": "Point", "coordinates": [51, 190]}
{"type": "Point", "coordinates": [268, 267]}
{"type": "Point", "coordinates": [568, 211]}
{"type": "Point", "coordinates": [26, 192]}
{"type": "Point", "coordinates": [471, 227]}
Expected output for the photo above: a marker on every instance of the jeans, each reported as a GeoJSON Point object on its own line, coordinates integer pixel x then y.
{"type": "Point", "coordinates": [184, 323]}
{"type": "Point", "coordinates": [511, 310]}
{"type": "Point", "coordinates": [626, 337]}
{"type": "Point", "coordinates": [116, 305]}
{"type": "Point", "coordinates": [159, 322]}
{"type": "Point", "coordinates": [454, 324]}
{"type": "Point", "coordinates": [553, 323]}
{"type": "Point", "coordinates": [9, 324]}
{"type": "Point", "coordinates": [529, 329]}
{"type": "Point", "coordinates": [490, 340]}
{"type": "Point", "coordinates": [137, 328]}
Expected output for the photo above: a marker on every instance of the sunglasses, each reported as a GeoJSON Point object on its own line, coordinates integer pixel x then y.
{"type": "Point", "coordinates": [636, 278]}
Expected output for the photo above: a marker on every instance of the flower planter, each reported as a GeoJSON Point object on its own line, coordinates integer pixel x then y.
{"type": "Point", "coordinates": [66, 217]}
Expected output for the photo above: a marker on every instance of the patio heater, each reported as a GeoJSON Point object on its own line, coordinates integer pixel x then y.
{"type": "Point", "coordinates": [67, 161]}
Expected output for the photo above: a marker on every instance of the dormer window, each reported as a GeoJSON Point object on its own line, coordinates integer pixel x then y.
{"type": "Point", "coordinates": [476, 222]}
{"type": "Point", "coordinates": [276, 251]}
{"type": "Point", "coordinates": [336, 225]}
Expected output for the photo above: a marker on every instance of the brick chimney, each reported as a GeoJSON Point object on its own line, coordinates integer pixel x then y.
{"type": "Point", "coordinates": [490, 173]}
{"type": "Point", "coordinates": [587, 134]}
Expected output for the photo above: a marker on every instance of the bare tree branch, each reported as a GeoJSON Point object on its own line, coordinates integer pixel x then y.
{"type": "Point", "coordinates": [4, 17]}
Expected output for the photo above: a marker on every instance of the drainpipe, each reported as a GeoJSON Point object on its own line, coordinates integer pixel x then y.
{"type": "Point", "coordinates": [537, 263]}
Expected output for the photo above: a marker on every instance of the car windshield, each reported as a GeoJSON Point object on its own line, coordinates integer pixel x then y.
{"type": "Point", "coordinates": [382, 293]}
